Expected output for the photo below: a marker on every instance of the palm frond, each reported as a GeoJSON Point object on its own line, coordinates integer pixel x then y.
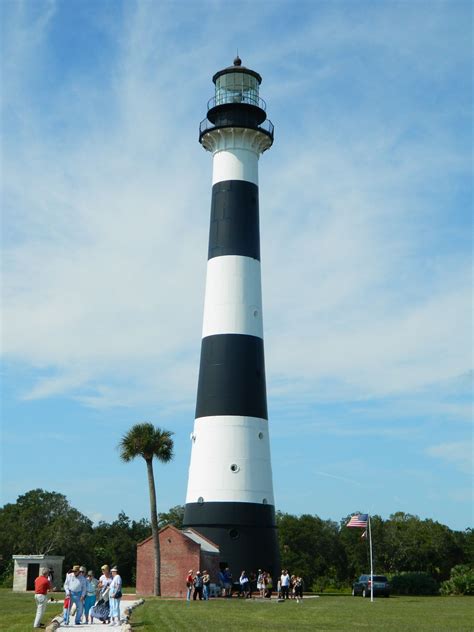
{"type": "Point", "coordinates": [147, 441]}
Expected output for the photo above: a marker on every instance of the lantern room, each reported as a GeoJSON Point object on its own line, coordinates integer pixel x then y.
{"type": "Point", "coordinates": [236, 103]}
{"type": "Point", "coordinates": [237, 84]}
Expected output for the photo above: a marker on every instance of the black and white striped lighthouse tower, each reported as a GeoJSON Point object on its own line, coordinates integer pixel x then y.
{"type": "Point", "coordinates": [230, 489]}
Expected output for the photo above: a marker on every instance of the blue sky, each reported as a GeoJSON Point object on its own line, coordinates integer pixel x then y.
{"type": "Point", "coordinates": [365, 201]}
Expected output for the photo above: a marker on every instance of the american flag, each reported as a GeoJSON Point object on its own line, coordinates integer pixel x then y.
{"type": "Point", "coordinates": [359, 520]}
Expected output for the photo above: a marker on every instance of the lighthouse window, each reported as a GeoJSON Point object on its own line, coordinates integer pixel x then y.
{"type": "Point", "coordinates": [200, 500]}
{"type": "Point", "coordinates": [260, 435]}
{"type": "Point", "coordinates": [234, 467]}
{"type": "Point", "coordinates": [234, 534]}
{"type": "Point", "coordinates": [265, 501]}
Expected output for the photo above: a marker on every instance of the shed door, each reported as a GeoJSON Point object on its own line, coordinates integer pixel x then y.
{"type": "Point", "coordinates": [33, 572]}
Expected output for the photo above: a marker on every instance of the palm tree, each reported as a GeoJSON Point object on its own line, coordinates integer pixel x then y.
{"type": "Point", "coordinates": [148, 442]}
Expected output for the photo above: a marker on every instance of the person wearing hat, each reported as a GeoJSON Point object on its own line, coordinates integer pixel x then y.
{"type": "Point", "coordinates": [198, 584]}
{"type": "Point", "coordinates": [75, 587]}
{"type": "Point", "coordinates": [42, 585]}
{"type": "Point", "coordinates": [101, 610]}
{"type": "Point", "coordinates": [83, 580]}
{"type": "Point", "coordinates": [83, 576]}
{"type": "Point", "coordinates": [206, 583]}
{"type": "Point", "coordinates": [91, 592]}
{"type": "Point", "coordinates": [115, 597]}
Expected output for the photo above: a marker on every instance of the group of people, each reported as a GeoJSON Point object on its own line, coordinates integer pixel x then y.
{"type": "Point", "coordinates": [198, 585]}
{"type": "Point", "coordinates": [93, 598]}
{"type": "Point", "coordinates": [87, 598]}
{"type": "Point", "coordinates": [290, 587]}
{"type": "Point", "coordinates": [246, 583]}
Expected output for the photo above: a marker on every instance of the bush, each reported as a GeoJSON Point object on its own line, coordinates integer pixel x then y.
{"type": "Point", "coordinates": [414, 584]}
{"type": "Point", "coordinates": [6, 577]}
{"type": "Point", "coordinates": [461, 581]}
{"type": "Point", "coordinates": [328, 584]}
{"type": "Point", "coordinates": [6, 580]}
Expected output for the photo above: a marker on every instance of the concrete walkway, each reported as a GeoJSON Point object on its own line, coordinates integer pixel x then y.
{"type": "Point", "coordinates": [100, 627]}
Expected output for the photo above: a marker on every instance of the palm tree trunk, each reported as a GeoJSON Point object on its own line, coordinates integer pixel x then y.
{"type": "Point", "coordinates": [154, 526]}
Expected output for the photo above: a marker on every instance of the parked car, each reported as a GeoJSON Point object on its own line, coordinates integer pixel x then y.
{"type": "Point", "coordinates": [362, 586]}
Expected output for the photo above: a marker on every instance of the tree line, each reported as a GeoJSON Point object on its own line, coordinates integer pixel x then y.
{"type": "Point", "coordinates": [330, 556]}
{"type": "Point", "coordinates": [324, 552]}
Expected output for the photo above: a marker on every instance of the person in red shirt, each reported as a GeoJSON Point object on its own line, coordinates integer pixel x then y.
{"type": "Point", "coordinates": [189, 584]}
{"type": "Point", "coordinates": [42, 585]}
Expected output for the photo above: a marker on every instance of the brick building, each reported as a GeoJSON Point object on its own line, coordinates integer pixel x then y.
{"type": "Point", "coordinates": [180, 551]}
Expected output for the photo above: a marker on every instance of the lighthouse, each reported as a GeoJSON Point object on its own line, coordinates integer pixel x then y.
{"type": "Point", "coordinates": [230, 489]}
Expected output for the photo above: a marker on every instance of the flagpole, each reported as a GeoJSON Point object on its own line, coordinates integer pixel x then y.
{"type": "Point", "coordinates": [371, 564]}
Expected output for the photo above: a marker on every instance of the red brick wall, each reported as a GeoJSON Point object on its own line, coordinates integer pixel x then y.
{"type": "Point", "coordinates": [178, 555]}
{"type": "Point", "coordinates": [145, 567]}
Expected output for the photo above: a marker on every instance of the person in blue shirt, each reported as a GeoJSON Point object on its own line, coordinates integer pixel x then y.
{"type": "Point", "coordinates": [91, 593]}
{"type": "Point", "coordinates": [228, 582]}
{"type": "Point", "coordinates": [198, 585]}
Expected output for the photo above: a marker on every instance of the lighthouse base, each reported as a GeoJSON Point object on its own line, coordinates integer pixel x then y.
{"type": "Point", "coordinates": [246, 534]}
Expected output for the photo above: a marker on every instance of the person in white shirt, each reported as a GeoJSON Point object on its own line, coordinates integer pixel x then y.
{"type": "Point", "coordinates": [105, 579]}
{"type": "Point", "coordinates": [114, 597]}
{"type": "Point", "coordinates": [285, 584]}
{"type": "Point", "coordinates": [75, 587]}
{"type": "Point", "coordinates": [244, 585]}
{"type": "Point", "coordinates": [101, 610]}
{"type": "Point", "coordinates": [261, 582]}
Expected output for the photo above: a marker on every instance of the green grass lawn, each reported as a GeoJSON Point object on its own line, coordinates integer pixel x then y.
{"type": "Point", "coordinates": [340, 613]}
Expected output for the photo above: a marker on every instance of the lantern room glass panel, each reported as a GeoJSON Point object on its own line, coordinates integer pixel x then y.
{"type": "Point", "coordinates": [236, 87]}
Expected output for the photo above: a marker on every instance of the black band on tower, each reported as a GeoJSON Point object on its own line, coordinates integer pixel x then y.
{"type": "Point", "coordinates": [232, 377]}
{"type": "Point", "coordinates": [212, 514]}
{"type": "Point", "coordinates": [234, 220]}
{"type": "Point", "coordinates": [245, 533]}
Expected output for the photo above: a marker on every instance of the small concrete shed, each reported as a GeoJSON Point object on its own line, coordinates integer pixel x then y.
{"type": "Point", "coordinates": [27, 568]}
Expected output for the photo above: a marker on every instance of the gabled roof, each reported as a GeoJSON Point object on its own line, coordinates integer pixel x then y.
{"type": "Point", "coordinates": [206, 545]}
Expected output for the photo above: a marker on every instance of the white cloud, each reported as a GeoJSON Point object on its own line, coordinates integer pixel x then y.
{"type": "Point", "coordinates": [106, 229]}
{"type": "Point", "coordinates": [457, 453]}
